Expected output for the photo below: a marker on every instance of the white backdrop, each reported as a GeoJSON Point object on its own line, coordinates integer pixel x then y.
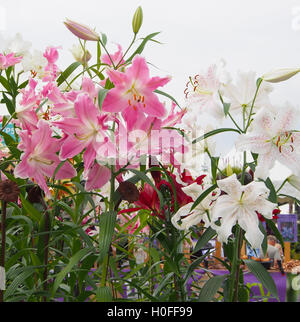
{"type": "Point", "coordinates": [254, 35]}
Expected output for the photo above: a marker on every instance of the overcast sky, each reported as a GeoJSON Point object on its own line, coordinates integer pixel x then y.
{"type": "Point", "coordinates": [254, 35]}
{"type": "Point", "coordinates": [257, 35]}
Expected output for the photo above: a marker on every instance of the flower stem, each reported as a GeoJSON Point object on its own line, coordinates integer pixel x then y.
{"type": "Point", "coordinates": [3, 241]}
{"type": "Point", "coordinates": [235, 266]}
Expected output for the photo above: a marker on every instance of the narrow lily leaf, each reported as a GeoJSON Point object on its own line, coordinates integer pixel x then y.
{"type": "Point", "coordinates": [19, 280]}
{"type": "Point", "coordinates": [162, 284]}
{"type": "Point", "coordinates": [263, 276]}
{"type": "Point", "coordinates": [104, 294]}
{"type": "Point", "coordinates": [67, 72]}
{"type": "Point", "coordinates": [214, 132]}
{"type": "Point", "coordinates": [73, 261]}
{"type": "Point", "coordinates": [210, 288]}
{"type": "Point", "coordinates": [226, 107]}
{"type": "Point", "coordinates": [142, 46]}
{"type": "Point", "coordinates": [203, 195]}
{"type": "Point", "coordinates": [32, 212]}
{"type": "Point", "coordinates": [204, 239]}
{"type": "Point", "coordinates": [264, 245]}
{"type": "Point", "coordinates": [214, 167]}
{"type": "Point", "coordinates": [272, 195]}
{"type": "Point", "coordinates": [167, 95]}
{"type": "Point", "coordinates": [4, 83]}
{"type": "Point", "coordinates": [101, 96]}
{"type": "Point", "coordinates": [9, 104]}
{"type": "Point", "coordinates": [107, 227]}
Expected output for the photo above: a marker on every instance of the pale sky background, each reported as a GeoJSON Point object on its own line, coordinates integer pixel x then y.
{"type": "Point", "coordinates": [258, 35]}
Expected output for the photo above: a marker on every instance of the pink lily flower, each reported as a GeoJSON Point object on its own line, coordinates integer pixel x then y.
{"type": "Point", "coordinates": [97, 176]}
{"type": "Point", "coordinates": [9, 60]}
{"type": "Point", "coordinates": [62, 105]}
{"type": "Point", "coordinates": [86, 131]}
{"type": "Point", "coordinates": [51, 70]}
{"type": "Point", "coordinates": [26, 110]}
{"type": "Point", "coordinates": [133, 91]}
{"type": "Point", "coordinates": [39, 158]}
{"type": "Point", "coordinates": [115, 58]}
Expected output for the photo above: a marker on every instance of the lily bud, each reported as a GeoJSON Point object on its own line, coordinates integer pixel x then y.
{"type": "Point", "coordinates": [137, 20]}
{"type": "Point", "coordinates": [280, 75]}
{"type": "Point", "coordinates": [80, 55]}
{"type": "Point", "coordinates": [81, 31]}
{"type": "Point", "coordinates": [294, 181]}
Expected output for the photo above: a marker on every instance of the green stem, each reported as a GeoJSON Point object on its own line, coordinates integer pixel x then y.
{"type": "Point", "coordinates": [132, 42]}
{"type": "Point", "coordinates": [7, 122]}
{"type": "Point", "coordinates": [235, 265]}
{"type": "Point", "coordinates": [3, 240]}
{"type": "Point", "coordinates": [252, 105]}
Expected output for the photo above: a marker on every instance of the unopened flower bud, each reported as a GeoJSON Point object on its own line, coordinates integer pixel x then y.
{"type": "Point", "coordinates": [81, 31]}
{"type": "Point", "coordinates": [128, 191]}
{"type": "Point", "coordinates": [137, 20]}
{"type": "Point", "coordinates": [294, 181]}
{"type": "Point", "coordinates": [80, 55]}
{"type": "Point", "coordinates": [280, 75]}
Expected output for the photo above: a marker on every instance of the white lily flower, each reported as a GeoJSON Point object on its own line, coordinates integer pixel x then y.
{"type": "Point", "coordinates": [185, 218]}
{"type": "Point", "coordinates": [17, 45]}
{"type": "Point", "coordinates": [242, 94]}
{"type": "Point", "coordinates": [273, 138]}
{"type": "Point", "coordinates": [239, 205]}
{"type": "Point", "coordinates": [202, 93]}
{"type": "Point", "coordinates": [280, 75]}
{"type": "Point", "coordinates": [294, 181]}
{"type": "Point", "coordinates": [35, 62]}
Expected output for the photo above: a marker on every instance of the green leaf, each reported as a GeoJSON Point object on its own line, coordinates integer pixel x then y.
{"type": "Point", "coordinates": [272, 196]}
{"type": "Point", "coordinates": [203, 195]}
{"type": "Point", "coordinates": [263, 276]}
{"type": "Point", "coordinates": [72, 262]}
{"type": "Point", "coordinates": [9, 104]}
{"type": "Point", "coordinates": [211, 287]}
{"type": "Point", "coordinates": [142, 46]}
{"type": "Point", "coordinates": [204, 239]}
{"type": "Point", "coordinates": [19, 280]}
{"type": "Point", "coordinates": [32, 212]}
{"type": "Point", "coordinates": [101, 96]}
{"type": "Point", "coordinates": [104, 38]}
{"type": "Point", "coordinates": [214, 167]}
{"type": "Point", "coordinates": [214, 132]}
{"type": "Point", "coordinates": [98, 55]}
{"type": "Point", "coordinates": [162, 284]}
{"type": "Point", "coordinates": [67, 72]}
{"type": "Point", "coordinates": [226, 107]}
{"type": "Point", "coordinates": [167, 95]}
{"type": "Point", "coordinates": [4, 83]}
{"type": "Point", "coordinates": [107, 225]}
{"type": "Point", "coordinates": [264, 244]}
{"type": "Point", "coordinates": [103, 294]}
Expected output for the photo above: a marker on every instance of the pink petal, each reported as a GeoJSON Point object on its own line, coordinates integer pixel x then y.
{"type": "Point", "coordinates": [98, 176]}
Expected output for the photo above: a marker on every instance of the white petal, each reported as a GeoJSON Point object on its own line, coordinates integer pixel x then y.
{"type": "Point", "coordinates": [231, 186]}
{"type": "Point", "coordinates": [189, 220]}
{"type": "Point", "coordinates": [265, 163]}
{"type": "Point", "coordinates": [194, 190]}
{"type": "Point", "coordinates": [256, 144]}
{"type": "Point", "coordinates": [249, 222]}
{"type": "Point", "coordinates": [279, 75]}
